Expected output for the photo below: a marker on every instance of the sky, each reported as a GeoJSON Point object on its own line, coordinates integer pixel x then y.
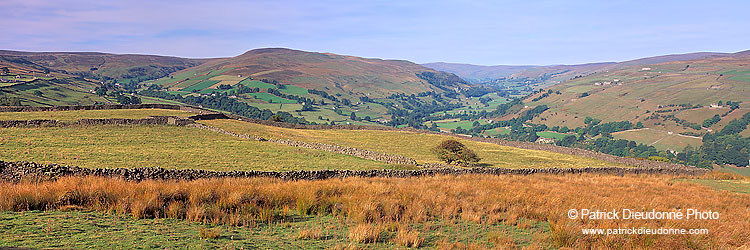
{"type": "Point", "coordinates": [475, 32]}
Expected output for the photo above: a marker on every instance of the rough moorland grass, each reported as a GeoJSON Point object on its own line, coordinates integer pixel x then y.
{"type": "Point", "coordinates": [495, 203]}
{"type": "Point", "coordinates": [90, 229]}
{"type": "Point", "coordinates": [92, 114]}
{"type": "Point", "coordinates": [415, 145]}
{"type": "Point", "coordinates": [112, 146]}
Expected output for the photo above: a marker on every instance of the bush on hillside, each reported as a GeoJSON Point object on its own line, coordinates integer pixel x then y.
{"type": "Point", "coordinates": [455, 152]}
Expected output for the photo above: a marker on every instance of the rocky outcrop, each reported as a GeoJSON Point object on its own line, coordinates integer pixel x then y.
{"type": "Point", "coordinates": [29, 171]}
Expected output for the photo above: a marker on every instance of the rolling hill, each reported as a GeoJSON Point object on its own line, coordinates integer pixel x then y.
{"type": "Point", "coordinates": [545, 76]}
{"type": "Point", "coordinates": [337, 74]}
{"type": "Point", "coordinates": [673, 97]}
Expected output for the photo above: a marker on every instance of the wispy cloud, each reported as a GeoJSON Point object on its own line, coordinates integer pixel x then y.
{"type": "Point", "coordinates": [484, 32]}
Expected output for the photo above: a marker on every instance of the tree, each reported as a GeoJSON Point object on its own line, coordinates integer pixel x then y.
{"type": "Point", "coordinates": [353, 117]}
{"type": "Point", "coordinates": [454, 152]}
{"type": "Point", "coordinates": [276, 118]}
{"type": "Point", "coordinates": [5, 70]}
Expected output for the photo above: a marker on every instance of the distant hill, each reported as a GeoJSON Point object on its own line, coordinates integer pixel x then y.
{"type": "Point", "coordinates": [477, 73]}
{"type": "Point", "coordinates": [346, 75]}
{"type": "Point", "coordinates": [545, 76]}
{"type": "Point", "coordinates": [669, 96]}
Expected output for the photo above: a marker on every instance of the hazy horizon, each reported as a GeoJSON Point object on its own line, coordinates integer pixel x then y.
{"type": "Point", "coordinates": [480, 33]}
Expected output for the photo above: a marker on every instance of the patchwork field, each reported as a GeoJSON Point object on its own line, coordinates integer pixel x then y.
{"type": "Point", "coordinates": [415, 145]}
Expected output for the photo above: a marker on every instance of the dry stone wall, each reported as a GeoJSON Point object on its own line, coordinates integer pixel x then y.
{"type": "Point", "coordinates": [29, 171]}
{"type": "Point", "coordinates": [90, 107]}
{"type": "Point", "coordinates": [155, 120]}
{"type": "Point", "coordinates": [361, 153]}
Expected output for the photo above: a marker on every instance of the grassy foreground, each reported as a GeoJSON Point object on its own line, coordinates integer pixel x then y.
{"type": "Point", "coordinates": [437, 212]}
{"type": "Point", "coordinates": [415, 145]}
{"type": "Point", "coordinates": [112, 146]}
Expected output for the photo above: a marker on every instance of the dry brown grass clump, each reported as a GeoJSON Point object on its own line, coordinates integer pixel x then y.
{"type": "Point", "coordinates": [209, 233]}
{"type": "Point", "coordinates": [365, 233]}
{"type": "Point", "coordinates": [408, 238]}
{"type": "Point", "coordinates": [310, 234]}
{"type": "Point", "coordinates": [369, 203]}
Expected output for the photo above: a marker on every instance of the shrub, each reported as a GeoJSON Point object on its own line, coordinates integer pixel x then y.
{"type": "Point", "coordinates": [455, 152]}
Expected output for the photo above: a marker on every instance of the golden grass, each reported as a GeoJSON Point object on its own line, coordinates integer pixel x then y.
{"type": "Point", "coordinates": [408, 238]}
{"type": "Point", "coordinates": [415, 145]}
{"type": "Point", "coordinates": [112, 146]}
{"type": "Point", "coordinates": [370, 204]}
{"type": "Point", "coordinates": [365, 233]}
{"type": "Point", "coordinates": [92, 114]}
{"type": "Point", "coordinates": [207, 233]}
{"type": "Point", "coordinates": [314, 233]}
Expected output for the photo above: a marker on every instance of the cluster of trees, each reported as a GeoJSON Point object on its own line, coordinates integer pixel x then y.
{"type": "Point", "coordinates": [711, 121]}
{"type": "Point", "coordinates": [223, 102]}
{"type": "Point", "coordinates": [299, 99]}
{"type": "Point", "coordinates": [323, 94]}
{"type": "Point", "coordinates": [9, 101]}
{"type": "Point", "coordinates": [112, 91]}
{"type": "Point", "coordinates": [545, 95]}
{"type": "Point", "coordinates": [441, 80]}
{"type": "Point", "coordinates": [594, 127]}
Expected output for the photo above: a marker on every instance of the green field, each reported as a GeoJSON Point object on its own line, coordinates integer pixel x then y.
{"type": "Point", "coordinates": [455, 123]}
{"type": "Point", "coordinates": [415, 145]}
{"type": "Point", "coordinates": [257, 84]}
{"type": "Point", "coordinates": [270, 98]}
{"type": "Point", "coordinates": [113, 146]}
{"type": "Point", "coordinates": [497, 131]}
{"type": "Point", "coordinates": [201, 85]}
{"type": "Point", "coordinates": [93, 114]}
{"type": "Point", "coordinates": [551, 135]}
{"type": "Point", "coordinates": [174, 78]}
{"type": "Point", "coordinates": [293, 90]}
{"type": "Point", "coordinates": [661, 140]}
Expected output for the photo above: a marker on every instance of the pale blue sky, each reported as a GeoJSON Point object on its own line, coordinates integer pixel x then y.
{"type": "Point", "coordinates": [477, 32]}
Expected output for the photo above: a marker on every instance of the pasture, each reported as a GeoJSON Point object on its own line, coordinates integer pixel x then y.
{"type": "Point", "coordinates": [414, 145]}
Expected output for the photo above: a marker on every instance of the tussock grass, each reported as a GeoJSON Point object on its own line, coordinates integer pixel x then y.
{"type": "Point", "coordinates": [408, 238]}
{"type": "Point", "coordinates": [370, 205]}
{"type": "Point", "coordinates": [415, 145]}
{"type": "Point", "coordinates": [365, 233]}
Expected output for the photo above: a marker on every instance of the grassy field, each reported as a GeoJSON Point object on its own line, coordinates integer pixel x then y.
{"type": "Point", "coordinates": [414, 145]}
{"type": "Point", "coordinates": [257, 84]}
{"type": "Point", "coordinates": [550, 134]}
{"type": "Point", "coordinates": [201, 85]}
{"type": "Point", "coordinates": [163, 146]}
{"type": "Point", "coordinates": [92, 114]}
{"type": "Point", "coordinates": [444, 212]}
{"type": "Point", "coordinates": [497, 131]}
{"type": "Point", "coordinates": [662, 140]}
{"type": "Point", "coordinates": [294, 90]}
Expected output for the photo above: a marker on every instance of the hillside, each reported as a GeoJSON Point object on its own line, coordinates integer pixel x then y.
{"type": "Point", "coordinates": [336, 74]}
{"type": "Point", "coordinates": [477, 73]}
{"type": "Point", "coordinates": [544, 76]}
{"type": "Point", "coordinates": [101, 66]}
{"type": "Point", "coordinates": [673, 97]}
